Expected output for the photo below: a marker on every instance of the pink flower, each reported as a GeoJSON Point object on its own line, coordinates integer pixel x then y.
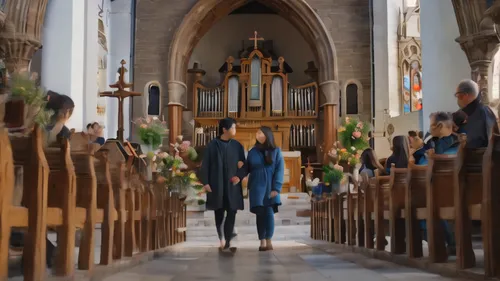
{"type": "Point", "coordinates": [356, 134]}
{"type": "Point", "coordinates": [360, 125]}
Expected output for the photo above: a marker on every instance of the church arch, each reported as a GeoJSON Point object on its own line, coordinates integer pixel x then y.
{"type": "Point", "coordinates": [351, 97]}
{"type": "Point", "coordinates": [206, 13]}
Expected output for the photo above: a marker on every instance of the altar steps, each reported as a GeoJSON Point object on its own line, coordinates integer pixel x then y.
{"type": "Point", "coordinates": [287, 215]}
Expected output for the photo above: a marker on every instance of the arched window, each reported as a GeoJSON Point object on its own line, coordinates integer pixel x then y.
{"type": "Point", "coordinates": [352, 99]}
{"type": "Point", "coordinates": [152, 99]}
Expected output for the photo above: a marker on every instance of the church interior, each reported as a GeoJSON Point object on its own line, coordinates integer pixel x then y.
{"type": "Point", "coordinates": [108, 106]}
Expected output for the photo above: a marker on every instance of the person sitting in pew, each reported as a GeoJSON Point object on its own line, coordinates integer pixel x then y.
{"type": "Point", "coordinates": [418, 151]}
{"type": "Point", "coordinates": [62, 106]}
{"type": "Point", "coordinates": [445, 141]}
{"type": "Point", "coordinates": [370, 163]}
{"type": "Point", "coordinates": [400, 156]}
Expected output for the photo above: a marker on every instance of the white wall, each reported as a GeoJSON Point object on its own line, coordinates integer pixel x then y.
{"type": "Point", "coordinates": [119, 44]}
{"type": "Point", "coordinates": [444, 63]}
{"type": "Point", "coordinates": [63, 53]}
{"type": "Point", "coordinates": [225, 38]}
{"type": "Point", "coordinates": [387, 85]}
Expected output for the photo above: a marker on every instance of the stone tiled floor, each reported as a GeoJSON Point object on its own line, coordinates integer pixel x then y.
{"type": "Point", "coordinates": [291, 261]}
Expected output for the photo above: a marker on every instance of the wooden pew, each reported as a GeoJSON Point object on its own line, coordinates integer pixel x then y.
{"type": "Point", "coordinates": [6, 194]}
{"type": "Point", "coordinates": [442, 184]}
{"type": "Point", "coordinates": [468, 199]}
{"type": "Point", "coordinates": [399, 181]}
{"type": "Point", "coordinates": [415, 209]}
{"type": "Point", "coordinates": [95, 194]}
{"type": "Point", "coordinates": [62, 212]}
{"type": "Point", "coordinates": [86, 196]}
{"type": "Point", "coordinates": [491, 208]}
{"type": "Point", "coordinates": [368, 209]}
{"type": "Point", "coordinates": [119, 181]}
{"type": "Point", "coordinates": [381, 202]}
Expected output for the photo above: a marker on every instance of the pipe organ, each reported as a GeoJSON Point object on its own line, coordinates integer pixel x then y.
{"type": "Point", "coordinates": [257, 93]}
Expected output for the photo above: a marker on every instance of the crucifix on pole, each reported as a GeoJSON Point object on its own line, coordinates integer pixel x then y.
{"type": "Point", "coordinates": [255, 40]}
{"type": "Point", "coordinates": [121, 94]}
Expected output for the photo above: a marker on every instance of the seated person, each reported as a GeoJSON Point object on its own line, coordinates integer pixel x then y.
{"type": "Point", "coordinates": [418, 151]}
{"type": "Point", "coordinates": [62, 106]}
{"type": "Point", "coordinates": [460, 119]}
{"type": "Point", "coordinates": [400, 154]}
{"type": "Point", "coordinates": [441, 129]}
{"type": "Point", "coordinates": [370, 163]}
{"type": "Point", "coordinates": [96, 133]}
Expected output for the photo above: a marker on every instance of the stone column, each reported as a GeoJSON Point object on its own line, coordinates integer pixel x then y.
{"type": "Point", "coordinates": [477, 39]}
{"type": "Point", "coordinates": [330, 91]}
{"type": "Point", "coordinates": [480, 49]}
{"type": "Point", "coordinates": [176, 91]}
{"type": "Point", "coordinates": [21, 36]}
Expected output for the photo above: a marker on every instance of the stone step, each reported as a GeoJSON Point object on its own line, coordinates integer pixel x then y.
{"type": "Point", "coordinates": [250, 221]}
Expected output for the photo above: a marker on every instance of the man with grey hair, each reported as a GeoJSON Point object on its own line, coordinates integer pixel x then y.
{"type": "Point", "coordinates": [480, 118]}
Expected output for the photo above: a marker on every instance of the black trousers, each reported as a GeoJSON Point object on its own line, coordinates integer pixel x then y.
{"type": "Point", "coordinates": [228, 224]}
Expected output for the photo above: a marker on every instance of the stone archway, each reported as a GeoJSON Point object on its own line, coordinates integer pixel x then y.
{"type": "Point", "coordinates": [206, 13]}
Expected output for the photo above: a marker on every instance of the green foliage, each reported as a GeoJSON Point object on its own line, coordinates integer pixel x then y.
{"type": "Point", "coordinates": [151, 131]}
{"type": "Point", "coordinates": [21, 86]}
{"type": "Point", "coordinates": [346, 133]}
{"type": "Point", "coordinates": [332, 175]}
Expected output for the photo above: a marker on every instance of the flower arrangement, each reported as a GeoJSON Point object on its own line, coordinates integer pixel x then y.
{"type": "Point", "coordinates": [354, 134]}
{"type": "Point", "coordinates": [353, 139]}
{"type": "Point", "coordinates": [177, 176]}
{"type": "Point", "coordinates": [24, 88]}
{"type": "Point", "coordinates": [151, 131]}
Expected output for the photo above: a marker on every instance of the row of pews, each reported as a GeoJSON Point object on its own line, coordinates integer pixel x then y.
{"type": "Point", "coordinates": [462, 188]}
{"type": "Point", "coordinates": [78, 186]}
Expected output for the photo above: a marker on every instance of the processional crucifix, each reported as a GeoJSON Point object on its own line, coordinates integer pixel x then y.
{"type": "Point", "coordinates": [255, 40]}
{"type": "Point", "coordinates": [121, 94]}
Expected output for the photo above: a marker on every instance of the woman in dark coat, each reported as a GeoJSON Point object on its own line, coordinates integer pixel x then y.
{"type": "Point", "coordinates": [266, 167]}
{"type": "Point", "coordinates": [221, 173]}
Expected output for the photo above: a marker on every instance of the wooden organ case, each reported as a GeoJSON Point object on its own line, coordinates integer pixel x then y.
{"type": "Point", "coordinates": [258, 93]}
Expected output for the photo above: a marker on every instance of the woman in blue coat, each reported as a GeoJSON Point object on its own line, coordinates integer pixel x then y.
{"type": "Point", "coordinates": [266, 168]}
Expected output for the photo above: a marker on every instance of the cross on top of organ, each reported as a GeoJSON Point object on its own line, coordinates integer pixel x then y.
{"type": "Point", "coordinates": [256, 91]}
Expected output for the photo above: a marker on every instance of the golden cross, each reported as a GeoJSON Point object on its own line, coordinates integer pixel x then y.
{"type": "Point", "coordinates": [255, 39]}
{"type": "Point", "coordinates": [120, 94]}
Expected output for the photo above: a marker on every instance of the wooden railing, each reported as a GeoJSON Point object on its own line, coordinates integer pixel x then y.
{"type": "Point", "coordinates": [75, 187]}
{"type": "Point", "coordinates": [415, 202]}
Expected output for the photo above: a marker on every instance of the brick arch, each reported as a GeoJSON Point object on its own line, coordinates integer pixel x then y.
{"type": "Point", "coordinates": [206, 13]}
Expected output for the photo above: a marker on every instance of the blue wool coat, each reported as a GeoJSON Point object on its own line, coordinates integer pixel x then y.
{"type": "Point", "coordinates": [263, 179]}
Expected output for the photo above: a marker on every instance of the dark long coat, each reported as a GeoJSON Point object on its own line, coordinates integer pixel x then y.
{"type": "Point", "coordinates": [212, 173]}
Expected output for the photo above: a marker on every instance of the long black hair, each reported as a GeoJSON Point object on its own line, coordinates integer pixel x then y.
{"type": "Point", "coordinates": [401, 151]}
{"type": "Point", "coordinates": [60, 104]}
{"type": "Point", "coordinates": [370, 160]}
{"type": "Point", "coordinates": [268, 146]}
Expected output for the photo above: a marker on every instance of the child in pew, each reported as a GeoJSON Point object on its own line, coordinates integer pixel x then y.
{"type": "Point", "coordinates": [460, 119]}
{"type": "Point", "coordinates": [400, 156]}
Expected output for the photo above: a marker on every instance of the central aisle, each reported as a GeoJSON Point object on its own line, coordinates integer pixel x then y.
{"type": "Point", "coordinates": [290, 261]}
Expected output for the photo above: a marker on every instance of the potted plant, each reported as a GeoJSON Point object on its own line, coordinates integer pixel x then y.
{"type": "Point", "coordinates": [151, 131]}
{"type": "Point", "coordinates": [26, 104]}
{"type": "Point", "coordinates": [333, 176]}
